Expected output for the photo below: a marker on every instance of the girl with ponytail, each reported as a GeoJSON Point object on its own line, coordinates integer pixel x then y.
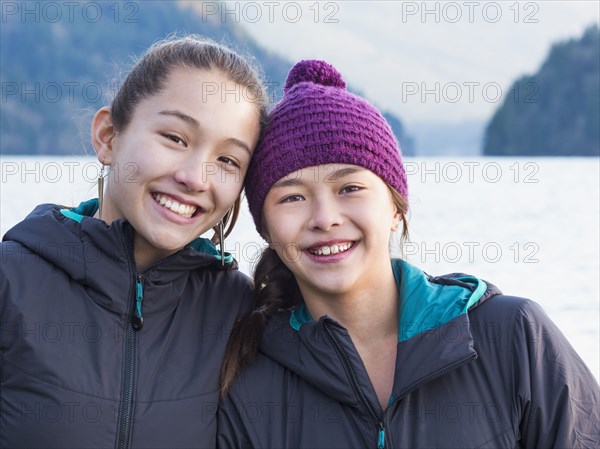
{"type": "Point", "coordinates": [347, 347]}
{"type": "Point", "coordinates": [139, 305]}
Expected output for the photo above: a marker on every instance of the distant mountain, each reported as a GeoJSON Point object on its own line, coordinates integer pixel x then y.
{"type": "Point", "coordinates": [556, 111]}
{"type": "Point", "coordinates": [448, 139]}
{"type": "Point", "coordinates": [407, 143]}
{"type": "Point", "coordinates": [61, 61]}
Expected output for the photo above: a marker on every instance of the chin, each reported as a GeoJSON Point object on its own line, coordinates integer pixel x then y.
{"type": "Point", "coordinates": [329, 289]}
{"type": "Point", "coordinates": [168, 243]}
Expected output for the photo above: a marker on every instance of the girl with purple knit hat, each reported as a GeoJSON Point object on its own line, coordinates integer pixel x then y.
{"type": "Point", "coordinates": [347, 347]}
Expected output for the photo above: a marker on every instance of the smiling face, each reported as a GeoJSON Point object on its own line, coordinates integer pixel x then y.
{"type": "Point", "coordinates": [179, 164]}
{"type": "Point", "coordinates": [331, 227]}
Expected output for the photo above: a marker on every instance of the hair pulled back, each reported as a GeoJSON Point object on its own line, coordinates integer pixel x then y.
{"type": "Point", "coordinates": [149, 75]}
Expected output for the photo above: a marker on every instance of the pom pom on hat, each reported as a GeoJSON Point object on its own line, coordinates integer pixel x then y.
{"type": "Point", "coordinates": [317, 72]}
{"type": "Point", "coordinates": [319, 122]}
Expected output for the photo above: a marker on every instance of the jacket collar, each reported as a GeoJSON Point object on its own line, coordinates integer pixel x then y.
{"type": "Point", "coordinates": [434, 336]}
{"type": "Point", "coordinates": [100, 256]}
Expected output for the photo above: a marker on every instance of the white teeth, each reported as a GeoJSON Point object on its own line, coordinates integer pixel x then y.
{"type": "Point", "coordinates": [181, 209]}
{"type": "Point", "coordinates": [333, 249]}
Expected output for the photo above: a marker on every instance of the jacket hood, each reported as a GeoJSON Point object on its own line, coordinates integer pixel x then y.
{"type": "Point", "coordinates": [433, 335]}
{"type": "Point", "coordinates": [100, 255]}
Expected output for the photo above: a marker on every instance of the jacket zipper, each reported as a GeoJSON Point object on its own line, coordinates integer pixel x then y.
{"type": "Point", "coordinates": [126, 412]}
{"type": "Point", "coordinates": [137, 320]}
{"type": "Point", "coordinates": [380, 422]}
{"type": "Point", "coordinates": [136, 323]}
{"type": "Point", "coordinates": [128, 387]}
{"type": "Point", "coordinates": [422, 382]}
{"type": "Point", "coordinates": [381, 436]}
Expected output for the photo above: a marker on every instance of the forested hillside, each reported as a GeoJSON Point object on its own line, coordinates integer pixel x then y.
{"type": "Point", "coordinates": [555, 111]}
{"type": "Point", "coordinates": [60, 62]}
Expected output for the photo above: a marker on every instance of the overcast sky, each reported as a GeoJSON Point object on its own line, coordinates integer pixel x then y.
{"type": "Point", "coordinates": [394, 51]}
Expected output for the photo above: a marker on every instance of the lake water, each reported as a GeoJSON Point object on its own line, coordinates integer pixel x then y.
{"type": "Point", "coordinates": [530, 226]}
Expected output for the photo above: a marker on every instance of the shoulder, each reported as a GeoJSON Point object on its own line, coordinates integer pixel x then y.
{"type": "Point", "coordinates": [249, 411]}
{"type": "Point", "coordinates": [268, 371]}
{"type": "Point", "coordinates": [522, 315]}
{"type": "Point", "coordinates": [229, 280]}
{"type": "Point", "coordinates": [500, 327]}
{"type": "Point", "coordinates": [9, 253]}
{"type": "Point", "coordinates": [505, 307]}
{"type": "Point", "coordinates": [509, 320]}
{"type": "Point", "coordinates": [19, 263]}
{"type": "Point", "coordinates": [520, 330]}
{"type": "Point", "coordinates": [553, 393]}
{"type": "Point", "coordinates": [25, 280]}
{"type": "Point", "coordinates": [12, 252]}
{"type": "Point", "coordinates": [210, 270]}
{"type": "Point", "coordinates": [258, 381]}
{"type": "Point", "coordinates": [225, 292]}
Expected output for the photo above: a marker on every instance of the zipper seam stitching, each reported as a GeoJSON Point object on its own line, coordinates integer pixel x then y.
{"type": "Point", "coordinates": [424, 381]}
{"type": "Point", "coordinates": [356, 386]}
{"type": "Point", "coordinates": [381, 421]}
{"type": "Point", "coordinates": [128, 406]}
{"type": "Point", "coordinates": [124, 429]}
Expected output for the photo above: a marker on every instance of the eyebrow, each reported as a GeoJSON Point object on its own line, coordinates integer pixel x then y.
{"type": "Point", "coordinates": [180, 115]}
{"type": "Point", "coordinates": [333, 177]}
{"type": "Point", "coordinates": [343, 172]}
{"type": "Point", "coordinates": [196, 124]}
{"type": "Point", "coordinates": [287, 183]}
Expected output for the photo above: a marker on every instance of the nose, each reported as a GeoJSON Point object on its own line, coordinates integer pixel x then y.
{"type": "Point", "coordinates": [195, 173]}
{"type": "Point", "coordinates": [325, 214]}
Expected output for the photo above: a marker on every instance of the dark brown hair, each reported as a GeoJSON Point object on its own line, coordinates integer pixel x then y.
{"type": "Point", "coordinates": [276, 290]}
{"type": "Point", "coordinates": [149, 74]}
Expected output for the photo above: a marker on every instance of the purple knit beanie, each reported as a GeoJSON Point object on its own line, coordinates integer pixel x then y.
{"type": "Point", "coordinates": [319, 122]}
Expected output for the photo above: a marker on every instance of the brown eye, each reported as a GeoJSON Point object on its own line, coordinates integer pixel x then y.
{"type": "Point", "coordinates": [173, 138]}
{"type": "Point", "coordinates": [292, 198]}
{"type": "Point", "coordinates": [229, 161]}
{"type": "Point", "coordinates": [350, 189]}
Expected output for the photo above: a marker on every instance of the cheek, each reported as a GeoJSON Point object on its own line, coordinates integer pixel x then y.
{"type": "Point", "coordinates": [283, 239]}
{"type": "Point", "coordinates": [278, 226]}
{"type": "Point", "coordinates": [132, 167]}
{"type": "Point", "coordinates": [125, 180]}
{"type": "Point", "coordinates": [289, 253]}
{"type": "Point", "coordinates": [377, 227]}
{"type": "Point", "coordinates": [227, 189]}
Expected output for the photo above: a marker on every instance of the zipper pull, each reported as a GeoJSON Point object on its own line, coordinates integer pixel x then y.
{"type": "Point", "coordinates": [137, 321]}
{"type": "Point", "coordinates": [381, 438]}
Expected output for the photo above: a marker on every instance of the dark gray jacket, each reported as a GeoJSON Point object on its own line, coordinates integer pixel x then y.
{"type": "Point", "coordinates": [74, 371]}
{"type": "Point", "coordinates": [474, 369]}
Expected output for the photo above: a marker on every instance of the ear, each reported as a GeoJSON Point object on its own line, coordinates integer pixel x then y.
{"type": "Point", "coordinates": [103, 133]}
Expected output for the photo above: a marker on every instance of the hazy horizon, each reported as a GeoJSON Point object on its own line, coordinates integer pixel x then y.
{"type": "Point", "coordinates": [407, 49]}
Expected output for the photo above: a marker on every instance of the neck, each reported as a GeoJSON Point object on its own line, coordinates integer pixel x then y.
{"type": "Point", "coordinates": [144, 254]}
{"type": "Point", "coordinates": [370, 314]}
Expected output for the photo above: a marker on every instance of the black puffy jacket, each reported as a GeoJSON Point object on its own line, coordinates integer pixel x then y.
{"type": "Point", "coordinates": [74, 373]}
{"type": "Point", "coordinates": [474, 369]}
